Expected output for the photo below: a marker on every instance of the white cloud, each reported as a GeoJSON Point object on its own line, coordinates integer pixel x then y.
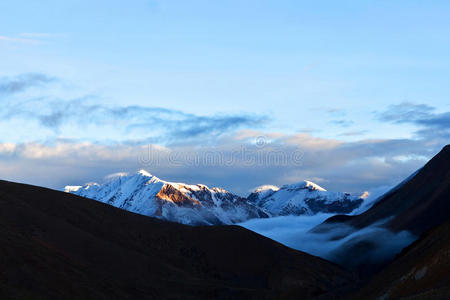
{"type": "Point", "coordinates": [20, 40]}
{"type": "Point", "coordinates": [230, 162]}
{"type": "Point", "coordinates": [308, 141]}
{"type": "Point", "coordinates": [294, 232]}
{"type": "Point", "coordinates": [40, 35]}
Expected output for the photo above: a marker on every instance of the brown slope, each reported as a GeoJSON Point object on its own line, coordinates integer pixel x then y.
{"type": "Point", "coordinates": [61, 246]}
{"type": "Point", "coordinates": [421, 271]}
{"type": "Point", "coordinates": [420, 204]}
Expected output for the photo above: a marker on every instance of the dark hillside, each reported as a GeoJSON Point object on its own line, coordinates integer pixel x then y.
{"type": "Point", "coordinates": [59, 246]}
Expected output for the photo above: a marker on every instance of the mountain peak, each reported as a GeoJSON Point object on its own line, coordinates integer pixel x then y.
{"type": "Point", "coordinates": [302, 198]}
{"type": "Point", "coordinates": [146, 194]}
{"type": "Point", "coordinates": [305, 184]}
{"type": "Point", "coordinates": [72, 188]}
{"type": "Point", "coordinates": [141, 172]}
{"type": "Point", "coordinates": [144, 173]}
{"type": "Point", "coordinates": [267, 187]}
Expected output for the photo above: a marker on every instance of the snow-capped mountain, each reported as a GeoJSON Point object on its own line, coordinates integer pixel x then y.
{"type": "Point", "coordinates": [146, 194]}
{"type": "Point", "coordinates": [304, 198]}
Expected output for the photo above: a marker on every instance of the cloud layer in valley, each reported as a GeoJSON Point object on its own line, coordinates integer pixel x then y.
{"type": "Point", "coordinates": [294, 231]}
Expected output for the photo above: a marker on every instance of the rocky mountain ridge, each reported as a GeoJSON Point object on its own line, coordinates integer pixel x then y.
{"type": "Point", "coordinates": [146, 194]}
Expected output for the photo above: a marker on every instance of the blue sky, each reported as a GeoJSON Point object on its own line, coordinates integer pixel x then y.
{"type": "Point", "coordinates": [325, 76]}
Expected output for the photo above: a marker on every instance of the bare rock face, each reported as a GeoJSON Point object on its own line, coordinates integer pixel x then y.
{"type": "Point", "coordinates": [170, 193]}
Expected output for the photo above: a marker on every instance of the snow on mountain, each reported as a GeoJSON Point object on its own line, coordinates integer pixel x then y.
{"type": "Point", "coordinates": [266, 189]}
{"type": "Point", "coordinates": [303, 198]}
{"type": "Point", "coordinates": [72, 188]}
{"type": "Point", "coordinates": [146, 194]}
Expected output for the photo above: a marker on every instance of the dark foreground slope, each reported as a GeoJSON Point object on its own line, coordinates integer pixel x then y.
{"type": "Point", "coordinates": [418, 205]}
{"type": "Point", "coordinates": [371, 240]}
{"type": "Point", "coordinates": [59, 246]}
{"type": "Point", "coordinates": [421, 271]}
